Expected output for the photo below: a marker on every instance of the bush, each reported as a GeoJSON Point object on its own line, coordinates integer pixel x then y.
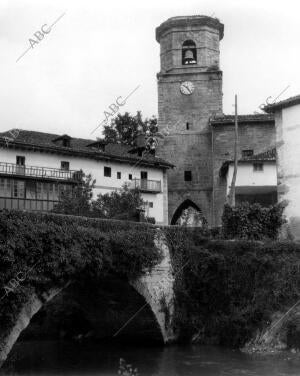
{"type": "Point", "coordinates": [252, 221]}
{"type": "Point", "coordinates": [225, 290]}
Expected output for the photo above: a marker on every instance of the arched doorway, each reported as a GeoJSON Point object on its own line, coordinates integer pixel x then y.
{"type": "Point", "coordinates": [188, 214]}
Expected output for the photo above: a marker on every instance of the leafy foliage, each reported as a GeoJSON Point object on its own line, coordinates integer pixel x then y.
{"type": "Point", "coordinates": [125, 204]}
{"type": "Point", "coordinates": [77, 201]}
{"type": "Point", "coordinates": [225, 290]}
{"type": "Point", "coordinates": [52, 250]}
{"type": "Point", "coordinates": [124, 128]}
{"type": "Point", "coordinates": [252, 221]}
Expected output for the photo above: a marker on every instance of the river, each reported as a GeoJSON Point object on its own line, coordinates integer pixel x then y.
{"type": "Point", "coordinates": [36, 358]}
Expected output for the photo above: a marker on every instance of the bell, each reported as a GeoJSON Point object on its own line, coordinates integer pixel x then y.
{"type": "Point", "coordinates": [189, 55]}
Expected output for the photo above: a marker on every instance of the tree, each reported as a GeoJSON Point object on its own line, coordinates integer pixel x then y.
{"type": "Point", "coordinates": [125, 204]}
{"type": "Point", "coordinates": [124, 128]}
{"type": "Point", "coordinates": [77, 200]}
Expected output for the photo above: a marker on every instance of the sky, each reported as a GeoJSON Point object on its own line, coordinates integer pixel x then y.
{"type": "Point", "coordinates": [98, 51]}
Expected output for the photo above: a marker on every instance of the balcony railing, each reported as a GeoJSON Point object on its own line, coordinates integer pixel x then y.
{"type": "Point", "coordinates": [26, 204]}
{"type": "Point", "coordinates": [146, 185]}
{"type": "Point", "coordinates": [39, 172]}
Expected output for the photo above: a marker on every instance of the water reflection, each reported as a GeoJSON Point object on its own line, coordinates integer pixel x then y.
{"type": "Point", "coordinates": [67, 358]}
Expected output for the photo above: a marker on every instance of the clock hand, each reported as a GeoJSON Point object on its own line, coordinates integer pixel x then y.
{"type": "Point", "coordinates": [187, 88]}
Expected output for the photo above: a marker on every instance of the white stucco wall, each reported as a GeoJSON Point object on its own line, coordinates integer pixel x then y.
{"type": "Point", "coordinates": [247, 177]}
{"type": "Point", "coordinates": [96, 168]}
{"type": "Point", "coordinates": [287, 123]}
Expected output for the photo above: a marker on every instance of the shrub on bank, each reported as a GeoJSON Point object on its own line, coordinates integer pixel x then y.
{"type": "Point", "coordinates": [225, 290]}
{"type": "Point", "coordinates": [252, 221]}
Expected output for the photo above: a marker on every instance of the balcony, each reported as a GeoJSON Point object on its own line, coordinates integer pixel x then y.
{"type": "Point", "coordinates": [145, 185]}
{"type": "Point", "coordinates": [39, 172]}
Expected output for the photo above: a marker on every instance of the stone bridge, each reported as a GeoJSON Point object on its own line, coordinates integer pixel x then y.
{"type": "Point", "coordinates": [155, 286]}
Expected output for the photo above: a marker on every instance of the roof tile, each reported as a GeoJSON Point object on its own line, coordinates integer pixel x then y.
{"type": "Point", "coordinates": [45, 141]}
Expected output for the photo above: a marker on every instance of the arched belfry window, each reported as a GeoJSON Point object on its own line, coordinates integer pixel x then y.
{"type": "Point", "coordinates": [189, 52]}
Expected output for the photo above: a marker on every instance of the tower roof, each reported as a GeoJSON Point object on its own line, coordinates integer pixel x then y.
{"type": "Point", "coordinates": [187, 21]}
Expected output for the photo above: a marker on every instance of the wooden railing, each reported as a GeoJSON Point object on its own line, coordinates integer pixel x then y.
{"type": "Point", "coordinates": [10, 203]}
{"type": "Point", "coordinates": [146, 185]}
{"type": "Point", "coordinates": [39, 172]}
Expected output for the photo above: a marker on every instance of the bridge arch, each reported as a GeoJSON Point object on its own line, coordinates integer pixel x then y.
{"type": "Point", "coordinates": [182, 210]}
{"type": "Point", "coordinates": [155, 286]}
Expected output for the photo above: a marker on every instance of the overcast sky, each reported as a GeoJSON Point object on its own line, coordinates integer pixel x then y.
{"type": "Point", "coordinates": [100, 50]}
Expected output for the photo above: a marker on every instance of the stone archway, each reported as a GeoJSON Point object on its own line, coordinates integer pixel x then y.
{"type": "Point", "coordinates": [188, 214]}
{"type": "Point", "coordinates": [155, 286]}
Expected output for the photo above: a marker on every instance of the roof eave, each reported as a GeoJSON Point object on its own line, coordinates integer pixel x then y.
{"type": "Point", "coordinates": [88, 154]}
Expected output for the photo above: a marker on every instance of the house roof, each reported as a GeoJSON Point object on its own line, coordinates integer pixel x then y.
{"type": "Point", "coordinates": [266, 156]}
{"type": "Point", "coordinates": [242, 119]}
{"type": "Point", "coordinates": [282, 104]}
{"type": "Point", "coordinates": [47, 142]}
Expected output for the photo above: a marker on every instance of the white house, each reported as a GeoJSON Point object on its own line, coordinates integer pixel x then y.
{"type": "Point", "coordinates": [287, 125]}
{"type": "Point", "coordinates": [256, 179]}
{"type": "Point", "coordinates": [36, 167]}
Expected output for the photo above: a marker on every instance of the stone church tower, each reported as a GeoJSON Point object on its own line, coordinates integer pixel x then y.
{"type": "Point", "coordinates": [189, 94]}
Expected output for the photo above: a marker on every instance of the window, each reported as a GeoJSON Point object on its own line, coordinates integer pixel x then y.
{"type": "Point", "coordinates": [18, 189]}
{"type": "Point", "coordinates": [144, 175]}
{"type": "Point", "coordinates": [189, 53]}
{"type": "Point", "coordinates": [130, 176]}
{"type": "Point", "coordinates": [150, 204]}
{"type": "Point", "coordinates": [30, 189]}
{"type": "Point", "coordinates": [2, 187]}
{"type": "Point", "coordinates": [188, 175]}
{"type": "Point", "coordinates": [20, 168]}
{"type": "Point", "coordinates": [64, 190]}
{"type": "Point", "coordinates": [39, 190]}
{"type": "Point", "coordinates": [187, 126]}
{"type": "Point", "coordinates": [65, 165]}
{"type": "Point", "coordinates": [20, 160]}
{"type": "Point", "coordinates": [107, 171]}
{"type": "Point", "coordinates": [118, 175]}
{"type": "Point", "coordinates": [258, 166]}
{"type": "Point", "coordinates": [66, 142]}
{"type": "Point", "coordinates": [8, 187]}
{"type": "Point", "coordinates": [247, 153]}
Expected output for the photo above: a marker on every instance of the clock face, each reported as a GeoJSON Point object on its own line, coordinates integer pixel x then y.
{"type": "Point", "coordinates": [187, 88]}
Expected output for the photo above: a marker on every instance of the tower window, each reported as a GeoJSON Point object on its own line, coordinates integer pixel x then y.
{"type": "Point", "coordinates": [187, 126]}
{"type": "Point", "coordinates": [189, 53]}
{"type": "Point", "coordinates": [187, 175]}
{"type": "Point", "coordinates": [107, 171]}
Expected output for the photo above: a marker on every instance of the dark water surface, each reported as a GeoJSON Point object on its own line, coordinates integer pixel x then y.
{"type": "Point", "coordinates": [67, 358]}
